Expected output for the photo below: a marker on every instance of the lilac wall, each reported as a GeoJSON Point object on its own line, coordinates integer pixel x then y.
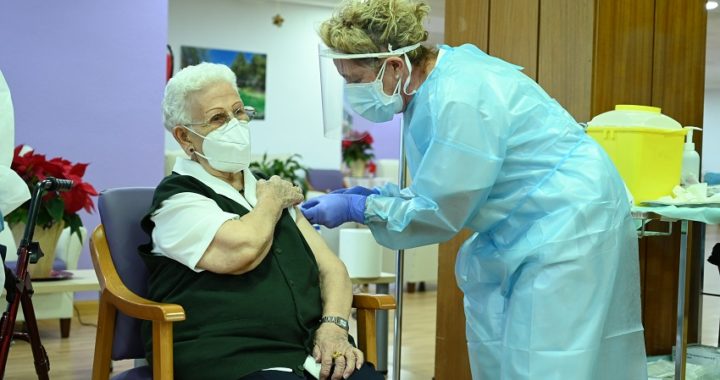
{"type": "Point", "coordinates": [87, 78]}
{"type": "Point", "coordinates": [385, 135]}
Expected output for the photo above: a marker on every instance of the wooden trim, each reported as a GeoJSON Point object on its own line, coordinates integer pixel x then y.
{"type": "Point", "coordinates": [565, 53]}
{"type": "Point", "coordinates": [517, 44]}
{"type": "Point", "coordinates": [451, 355]}
{"type": "Point", "coordinates": [467, 21]}
{"type": "Point", "coordinates": [623, 54]}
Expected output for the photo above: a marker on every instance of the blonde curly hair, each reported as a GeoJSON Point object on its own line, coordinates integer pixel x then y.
{"type": "Point", "coordinates": [369, 26]}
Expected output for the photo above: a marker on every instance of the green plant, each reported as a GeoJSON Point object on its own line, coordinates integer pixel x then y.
{"type": "Point", "coordinates": [289, 169]}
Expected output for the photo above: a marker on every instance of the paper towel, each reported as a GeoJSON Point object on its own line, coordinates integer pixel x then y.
{"type": "Point", "coordinates": [360, 252]}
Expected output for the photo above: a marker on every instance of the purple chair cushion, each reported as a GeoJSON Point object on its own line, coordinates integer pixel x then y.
{"type": "Point", "coordinates": [121, 211]}
{"type": "Point", "coordinates": [325, 180]}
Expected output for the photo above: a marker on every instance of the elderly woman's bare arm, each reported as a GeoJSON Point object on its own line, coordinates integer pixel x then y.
{"type": "Point", "coordinates": [241, 244]}
{"type": "Point", "coordinates": [335, 285]}
{"type": "Point", "coordinates": [331, 341]}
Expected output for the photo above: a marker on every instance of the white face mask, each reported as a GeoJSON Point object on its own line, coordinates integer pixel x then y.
{"type": "Point", "coordinates": [370, 100]}
{"type": "Point", "coordinates": [227, 148]}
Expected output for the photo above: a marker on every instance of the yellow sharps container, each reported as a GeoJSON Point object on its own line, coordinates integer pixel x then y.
{"type": "Point", "coordinates": [645, 146]}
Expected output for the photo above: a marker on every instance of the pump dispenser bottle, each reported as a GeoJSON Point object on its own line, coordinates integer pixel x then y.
{"type": "Point", "coordinates": [690, 173]}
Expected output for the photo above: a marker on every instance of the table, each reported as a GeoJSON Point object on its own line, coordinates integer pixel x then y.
{"type": "Point", "coordinates": [82, 280]}
{"type": "Point", "coordinates": [684, 215]}
{"type": "Point", "coordinates": [382, 285]}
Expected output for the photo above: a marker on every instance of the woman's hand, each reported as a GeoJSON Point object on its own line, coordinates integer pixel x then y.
{"type": "Point", "coordinates": [332, 347]}
{"type": "Point", "coordinates": [279, 190]}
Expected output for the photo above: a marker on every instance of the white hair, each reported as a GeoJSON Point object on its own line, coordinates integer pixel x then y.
{"type": "Point", "coordinates": [187, 81]}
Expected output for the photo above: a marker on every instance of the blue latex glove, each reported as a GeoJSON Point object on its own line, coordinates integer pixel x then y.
{"type": "Point", "coordinates": [360, 190]}
{"type": "Point", "coordinates": [332, 210]}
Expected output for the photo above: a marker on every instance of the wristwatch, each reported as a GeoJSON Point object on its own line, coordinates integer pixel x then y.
{"type": "Point", "coordinates": [341, 322]}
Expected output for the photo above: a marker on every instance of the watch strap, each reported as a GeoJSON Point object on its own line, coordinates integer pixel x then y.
{"type": "Point", "coordinates": [339, 321]}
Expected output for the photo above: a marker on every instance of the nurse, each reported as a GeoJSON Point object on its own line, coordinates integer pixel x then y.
{"type": "Point", "coordinates": [550, 276]}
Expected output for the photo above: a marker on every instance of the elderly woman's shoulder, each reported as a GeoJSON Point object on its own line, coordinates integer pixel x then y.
{"type": "Point", "coordinates": [178, 183]}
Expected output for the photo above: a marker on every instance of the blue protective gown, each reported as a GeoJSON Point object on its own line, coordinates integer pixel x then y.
{"type": "Point", "coordinates": [551, 275]}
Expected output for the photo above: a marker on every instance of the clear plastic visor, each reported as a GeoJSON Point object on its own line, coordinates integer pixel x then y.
{"type": "Point", "coordinates": [338, 117]}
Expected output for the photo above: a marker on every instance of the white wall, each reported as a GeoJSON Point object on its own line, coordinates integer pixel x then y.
{"type": "Point", "coordinates": [293, 122]}
{"type": "Point", "coordinates": [711, 132]}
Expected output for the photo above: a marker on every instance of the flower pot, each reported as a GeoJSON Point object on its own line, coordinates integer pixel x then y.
{"type": "Point", "coordinates": [357, 168]}
{"type": "Point", "coordinates": [47, 238]}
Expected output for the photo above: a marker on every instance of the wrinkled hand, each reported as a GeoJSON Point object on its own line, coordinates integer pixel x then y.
{"type": "Point", "coordinates": [360, 190]}
{"type": "Point", "coordinates": [331, 339]}
{"type": "Point", "coordinates": [279, 190]}
{"type": "Point", "coordinates": [332, 210]}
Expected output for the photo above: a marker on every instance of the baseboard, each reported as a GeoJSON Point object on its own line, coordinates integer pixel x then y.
{"type": "Point", "coordinates": [89, 307]}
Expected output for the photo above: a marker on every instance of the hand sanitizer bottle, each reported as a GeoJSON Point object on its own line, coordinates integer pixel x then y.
{"type": "Point", "coordinates": [690, 173]}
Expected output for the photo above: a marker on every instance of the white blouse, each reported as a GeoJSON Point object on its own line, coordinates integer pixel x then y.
{"type": "Point", "coordinates": [186, 223]}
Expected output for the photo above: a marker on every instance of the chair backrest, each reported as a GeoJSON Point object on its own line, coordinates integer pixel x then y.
{"type": "Point", "coordinates": [121, 211]}
{"type": "Point", "coordinates": [325, 180]}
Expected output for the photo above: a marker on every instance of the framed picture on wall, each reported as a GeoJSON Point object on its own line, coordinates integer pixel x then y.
{"type": "Point", "coordinates": [250, 69]}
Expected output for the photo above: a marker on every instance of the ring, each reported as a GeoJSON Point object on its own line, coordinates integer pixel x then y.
{"type": "Point", "coordinates": [337, 354]}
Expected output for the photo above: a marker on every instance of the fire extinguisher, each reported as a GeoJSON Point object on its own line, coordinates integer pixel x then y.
{"type": "Point", "coordinates": [169, 63]}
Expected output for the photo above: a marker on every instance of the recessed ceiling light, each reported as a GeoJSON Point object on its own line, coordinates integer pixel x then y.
{"type": "Point", "coordinates": [711, 4]}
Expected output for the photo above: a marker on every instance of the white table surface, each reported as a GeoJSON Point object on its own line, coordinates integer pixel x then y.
{"type": "Point", "coordinates": [82, 280]}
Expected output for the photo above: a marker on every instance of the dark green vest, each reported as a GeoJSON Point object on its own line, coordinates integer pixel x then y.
{"type": "Point", "coordinates": [237, 324]}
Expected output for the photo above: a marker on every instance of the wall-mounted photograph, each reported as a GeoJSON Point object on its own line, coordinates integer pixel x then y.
{"type": "Point", "coordinates": [250, 69]}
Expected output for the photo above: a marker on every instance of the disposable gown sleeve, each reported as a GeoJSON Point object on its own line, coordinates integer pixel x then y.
{"type": "Point", "coordinates": [451, 183]}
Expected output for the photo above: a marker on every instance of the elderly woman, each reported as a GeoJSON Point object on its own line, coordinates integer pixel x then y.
{"type": "Point", "coordinates": [264, 296]}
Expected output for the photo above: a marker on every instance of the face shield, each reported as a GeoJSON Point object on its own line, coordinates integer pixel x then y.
{"type": "Point", "coordinates": [340, 122]}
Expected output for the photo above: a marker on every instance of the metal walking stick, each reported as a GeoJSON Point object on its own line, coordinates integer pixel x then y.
{"type": "Point", "coordinates": [400, 268]}
{"type": "Point", "coordinates": [19, 287]}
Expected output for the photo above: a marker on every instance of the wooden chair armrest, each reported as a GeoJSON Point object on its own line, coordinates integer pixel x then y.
{"type": "Point", "coordinates": [367, 305]}
{"type": "Point", "coordinates": [141, 308]}
{"type": "Point", "coordinates": [373, 301]}
{"type": "Point", "coordinates": [115, 291]}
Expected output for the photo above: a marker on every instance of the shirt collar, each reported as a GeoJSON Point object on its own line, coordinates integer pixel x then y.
{"type": "Point", "coordinates": [186, 166]}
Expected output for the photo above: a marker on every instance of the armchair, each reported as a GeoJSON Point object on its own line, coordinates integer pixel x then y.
{"type": "Point", "coordinates": [123, 280]}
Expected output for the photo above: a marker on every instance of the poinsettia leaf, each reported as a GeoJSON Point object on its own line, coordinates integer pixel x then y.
{"type": "Point", "coordinates": [19, 215]}
{"type": "Point", "coordinates": [43, 218]}
{"type": "Point", "coordinates": [55, 207]}
{"type": "Point", "coordinates": [74, 222]}
{"type": "Point", "coordinates": [79, 169]}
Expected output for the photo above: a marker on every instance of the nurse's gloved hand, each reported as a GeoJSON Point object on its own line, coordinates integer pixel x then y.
{"type": "Point", "coordinates": [332, 210]}
{"type": "Point", "coordinates": [360, 190]}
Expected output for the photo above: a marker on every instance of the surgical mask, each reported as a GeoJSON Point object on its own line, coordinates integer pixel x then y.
{"type": "Point", "coordinates": [370, 100]}
{"type": "Point", "coordinates": [227, 148]}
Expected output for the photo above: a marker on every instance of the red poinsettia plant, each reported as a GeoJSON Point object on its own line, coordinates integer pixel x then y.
{"type": "Point", "coordinates": [357, 146]}
{"type": "Point", "coordinates": [55, 207]}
